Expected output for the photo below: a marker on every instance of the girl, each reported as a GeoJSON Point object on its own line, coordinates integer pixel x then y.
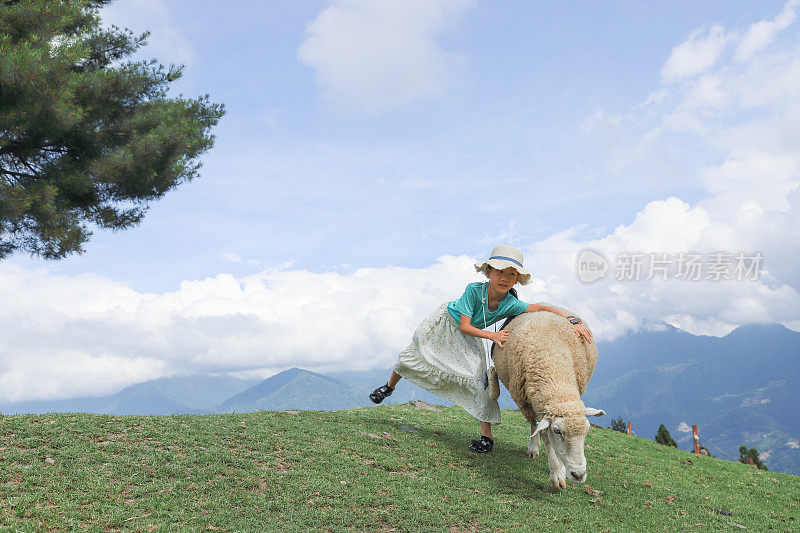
{"type": "Point", "coordinates": [446, 355]}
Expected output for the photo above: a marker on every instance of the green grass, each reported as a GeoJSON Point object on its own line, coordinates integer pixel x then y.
{"type": "Point", "coordinates": [320, 471]}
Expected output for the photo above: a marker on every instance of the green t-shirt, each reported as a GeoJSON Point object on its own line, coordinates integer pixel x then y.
{"type": "Point", "coordinates": [470, 304]}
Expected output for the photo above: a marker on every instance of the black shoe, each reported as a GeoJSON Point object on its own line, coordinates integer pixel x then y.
{"type": "Point", "coordinates": [381, 393]}
{"type": "Point", "coordinates": [482, 446]}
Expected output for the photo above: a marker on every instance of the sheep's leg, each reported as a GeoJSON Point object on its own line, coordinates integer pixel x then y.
{"type": "Point", "coordinates": [558, 473]}
{"type": "Point", "coordinates": [533, 444]}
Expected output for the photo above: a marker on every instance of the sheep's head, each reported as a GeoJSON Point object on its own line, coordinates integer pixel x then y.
{"type": "Point", "coordinates": [566, 435]}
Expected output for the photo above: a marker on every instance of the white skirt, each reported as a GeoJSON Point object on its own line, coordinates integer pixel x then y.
{"type": "Point", "coordinates": [446, 362]}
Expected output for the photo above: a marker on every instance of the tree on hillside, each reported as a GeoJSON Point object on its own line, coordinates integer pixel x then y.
{"type": "Point", "coordinates": [618, 424]}
{"type": "Point", "coordinates": [663, 437]}
{"type": "Point", "coordinates": [752, 453]}
{"type": "Point", "coordinates": [86, 138]}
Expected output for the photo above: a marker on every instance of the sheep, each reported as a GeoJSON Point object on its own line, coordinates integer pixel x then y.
{"type": "Point", "coordinates": [546, 365]}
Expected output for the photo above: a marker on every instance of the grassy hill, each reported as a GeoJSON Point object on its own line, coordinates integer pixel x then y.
{"type": "Point", "coordinates": [358, 469]}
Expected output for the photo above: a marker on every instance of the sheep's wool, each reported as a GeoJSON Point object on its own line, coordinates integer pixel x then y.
{"type": "Point", "coordinates": [545, 365]}
{"type": "Point", "coordinates": [446, 362]}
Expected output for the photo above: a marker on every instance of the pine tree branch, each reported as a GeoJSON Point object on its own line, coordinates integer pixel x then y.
{"type": "Point", "coordinates": [15, 174]}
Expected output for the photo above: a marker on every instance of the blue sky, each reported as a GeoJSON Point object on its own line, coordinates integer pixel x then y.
{"type": "Point", "coordinates": [295, 177]}
{"type": "Point", "coordinates": [372, 150]}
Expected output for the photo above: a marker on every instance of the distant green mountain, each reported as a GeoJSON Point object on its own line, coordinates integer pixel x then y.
{"type": "Point", "coordinates": [769, 344]}
{"type": "Point", "coordinates": [646, 349]}
{"type": "Point", "coordinates": [292, 389]}
{"type": "Point", "coordinates": [164, 396]}
{"type": "Point", "coordinates": [364, 382]}
{"type": "Point", "coordinates": [740, 389]}
{"type": "Point", "coordinates": [196, 392]}
{"type": "Point", "coordinates": [302, 389]}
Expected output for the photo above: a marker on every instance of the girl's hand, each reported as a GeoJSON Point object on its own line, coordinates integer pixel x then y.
{"type": "Point", "coordinates": [582, 330]}
{"type": "Point", "coordinates": [499, 337]}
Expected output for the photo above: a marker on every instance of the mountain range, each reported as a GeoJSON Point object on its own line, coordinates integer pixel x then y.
{"type": "Point", "coordinates": [736, 388]}
{"type": "Point", "coordinates": [163, 396]}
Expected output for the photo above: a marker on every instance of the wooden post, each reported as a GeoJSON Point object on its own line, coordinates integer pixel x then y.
{"type": "Point", "coordinates": [696, 438]}
{"type": "Point", "coordinates": [630, 428]}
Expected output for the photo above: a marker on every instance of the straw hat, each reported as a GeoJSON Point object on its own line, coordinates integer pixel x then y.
{"type": "Point", "coordinates": [505, 256]}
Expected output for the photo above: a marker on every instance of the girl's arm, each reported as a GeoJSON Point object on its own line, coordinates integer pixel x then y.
{"type": "Point", "coordinates": [498, 337]}
{"type": "Point", "coordinates": [580, 328]}
{"type": "Point", "coordinates": [537, 307]}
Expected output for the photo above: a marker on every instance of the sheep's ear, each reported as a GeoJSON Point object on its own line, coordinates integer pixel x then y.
{"type": "Point", "coordinates": [543, 424]}
{"type": "Point", "coordinates": [591, 411]}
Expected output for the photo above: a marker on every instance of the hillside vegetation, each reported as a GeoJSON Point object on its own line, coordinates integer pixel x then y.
{"type": "Point", "coordinates": [378, 468]}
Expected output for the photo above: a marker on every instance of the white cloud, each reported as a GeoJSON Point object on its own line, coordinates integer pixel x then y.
{"type": "Point", "coordinates": [166, 42]}
{"type": "Point", "coordinates": [752, 181]}
{"type": "Point", "coordinates": [663, 225]}
{"type": "Point", "coordinates": [761, 34]}
{"type": "Point", "coordinates": [66, 336]}
{"type": "Point", "coordinates": [381, 55]}
{"type": "Point", "coordinates": [231, 257]}
{"type": "Point", "coordinates": [613, 307]}
{"type": "Point", "coordinates": [601, 122]}
{"type": "Point", "coordinates": [754, 104]}
{"type": "Point", "coordinates": [656, 97]}
{"type": "Point", "coordinates": [696, 54]}
{"type": "Point", "coordinates": [57, 373]}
